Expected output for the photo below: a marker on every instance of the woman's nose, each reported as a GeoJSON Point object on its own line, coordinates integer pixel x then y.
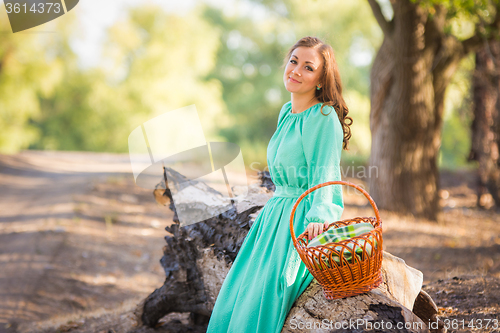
{"type": "Point", "coordinates": [296, 72]}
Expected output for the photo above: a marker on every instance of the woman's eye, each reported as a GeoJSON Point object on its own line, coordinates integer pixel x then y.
{"type": "Point", "coordinates": [309, 68]}
{"type": "Point", "coordinates": [293, 61]}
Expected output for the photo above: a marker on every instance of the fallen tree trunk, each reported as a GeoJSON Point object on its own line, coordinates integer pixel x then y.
{"type": "Point", "coordinates": [197, 258]}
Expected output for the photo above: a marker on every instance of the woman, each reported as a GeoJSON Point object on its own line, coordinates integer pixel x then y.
{"type": "Point", "coordinates": [267, 275]}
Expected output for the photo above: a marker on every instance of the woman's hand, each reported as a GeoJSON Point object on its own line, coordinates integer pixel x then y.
{"type": "Point", "coordinates": [314, 229]}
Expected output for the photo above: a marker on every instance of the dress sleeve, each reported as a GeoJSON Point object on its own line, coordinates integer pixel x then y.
{"type": "Point", "coordinates": [322, 138]}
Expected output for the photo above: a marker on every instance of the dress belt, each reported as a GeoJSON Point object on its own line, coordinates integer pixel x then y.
{"type": "Point", "coordinates": [288, 191]}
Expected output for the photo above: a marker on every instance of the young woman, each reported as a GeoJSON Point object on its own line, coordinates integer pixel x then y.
{"type": "Point", "coordinates": [268, 275]}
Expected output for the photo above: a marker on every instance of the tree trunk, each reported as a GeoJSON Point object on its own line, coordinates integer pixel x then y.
{"type": "Point", "coordinates": [198, 257]}
{"type": "Point", "coordinates": [408, 80]}
{"type": "Point", "coordinates": [486, 123]}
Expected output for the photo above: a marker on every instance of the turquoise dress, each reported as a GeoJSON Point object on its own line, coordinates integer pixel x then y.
{"type": "Point", "coordinates": [267, 275]}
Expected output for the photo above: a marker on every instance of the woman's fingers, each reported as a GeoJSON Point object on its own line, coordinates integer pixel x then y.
{"type": "Point", "coordinates": [310, 231]}
{"type": "Point", "coordinates": [314, 229]}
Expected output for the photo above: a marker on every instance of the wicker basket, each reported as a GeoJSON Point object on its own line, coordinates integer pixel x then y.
{"type": "Point", "coordinates": [341, 277]}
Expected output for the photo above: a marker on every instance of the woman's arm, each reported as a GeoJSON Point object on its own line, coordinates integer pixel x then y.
{"type": "Point", "coordinates": [322, 138]}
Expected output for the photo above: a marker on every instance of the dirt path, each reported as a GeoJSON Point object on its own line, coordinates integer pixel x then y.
{"type": "Point", "coordinates": [80, 243]}
{"type": "Point", "coordinates": [76, 235]}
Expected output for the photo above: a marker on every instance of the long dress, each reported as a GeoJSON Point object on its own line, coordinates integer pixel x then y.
{"type": "Point", "coordinates": [268, 275]}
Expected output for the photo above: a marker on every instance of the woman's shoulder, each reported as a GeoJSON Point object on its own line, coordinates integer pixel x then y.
{"type": "Point", "coordinates": [323, 110]}
{"type": "Point", "coordinates": [323, 115]}
{"type": "Point", "coordinates": [326, 109]}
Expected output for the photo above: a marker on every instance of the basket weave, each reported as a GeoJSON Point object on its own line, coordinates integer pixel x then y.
{"type": "Point", "coordinates": [359, 274]}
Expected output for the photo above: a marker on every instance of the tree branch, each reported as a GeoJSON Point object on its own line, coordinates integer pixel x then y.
{"type": "Point", "coordinates": [377, 12]}
{"type": "Point", "coordinates": [434, 28]}
{"type": "Point", "coordinates": [477, 41]}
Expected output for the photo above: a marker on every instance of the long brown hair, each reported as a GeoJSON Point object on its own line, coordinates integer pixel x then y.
{"type": "Point", "coordinates": [330, 92]}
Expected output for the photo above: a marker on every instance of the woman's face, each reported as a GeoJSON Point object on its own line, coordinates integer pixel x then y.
{"type": "Point", "coordinates": [303, 70]}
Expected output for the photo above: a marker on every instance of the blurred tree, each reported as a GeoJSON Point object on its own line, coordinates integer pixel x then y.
{"type": "Point", "coordinates": [65, 119]}
{"type": "Point", "coordinates": [255, 38]}
{"type": "Point", "coordinates": [153, 62]}
{"type": "Point", "coordinates": [247, 66]}
{"type": "Point", "coordinates": [160, 61]}
{"type": "Point", "coordinates": [418, 56]}
{"type": "Point", "coordinates": [486, 125]}
{"type": "Point", "coordinates": [26, 72]}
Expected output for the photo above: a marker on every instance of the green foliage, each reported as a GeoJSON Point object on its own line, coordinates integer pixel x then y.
{"type": "Point", "coordinates": [359, 110]}
{"type": "Point", "coordinates": [226, 61]}
{"type": "Point", "coordinates": [470, 13]}
{"type": "Point", "coordinates": [455, 145]}
{"type": "Point", "coordinates": [349, 26]}
{"type": "Point", "coordinates": [229, 64]}
{"type": "Point", "coordinates": [456, 136]}
{"type": "Point", "coordinates": [248, 67]}
{"type": "Point", "coordinates": [459, 7]}
{"type": "Point", "coordinates": [250, 59]}
{"type": "Point", "coordinates": [159, 62]}
{"type": "Point", "coordinates": [153, 62]}
{"type": "Point", "coordinates": [24, 75]}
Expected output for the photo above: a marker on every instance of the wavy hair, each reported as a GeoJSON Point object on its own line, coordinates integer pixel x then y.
{"type": "Point", "coordinates": [330, 92]}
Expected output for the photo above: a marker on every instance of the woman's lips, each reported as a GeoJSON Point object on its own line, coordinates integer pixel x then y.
{"type": "Point", "coordinates": [293, 80]}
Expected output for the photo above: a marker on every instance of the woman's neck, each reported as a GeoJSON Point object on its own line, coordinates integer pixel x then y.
{"type": "Point", "coordinates": [300, 103]}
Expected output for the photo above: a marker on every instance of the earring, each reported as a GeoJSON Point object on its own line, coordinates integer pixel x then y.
{"type": "Point", "coordinates": [318, 87]}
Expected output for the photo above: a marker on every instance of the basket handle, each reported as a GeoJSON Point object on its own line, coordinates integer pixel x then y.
{"type": "Point", "coordinates": [333, 182]}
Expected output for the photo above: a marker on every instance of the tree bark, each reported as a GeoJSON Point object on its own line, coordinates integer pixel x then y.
{"type": "Point", "coordinates": [198, 257]}
{"type": "Point", "coordinates": [486, 124]}
{"type": "Point", "coordinates": [192, 250]}
{"type": "Point", "coordinates": [409, 77]}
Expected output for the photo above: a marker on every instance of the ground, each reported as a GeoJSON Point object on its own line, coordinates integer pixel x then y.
{"type": "Point", "coordinates": [76, 236]}
{"type": "Point", "coordinates": [80, 244]}
{"type": "Point", "coordinates": [468, 303]}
